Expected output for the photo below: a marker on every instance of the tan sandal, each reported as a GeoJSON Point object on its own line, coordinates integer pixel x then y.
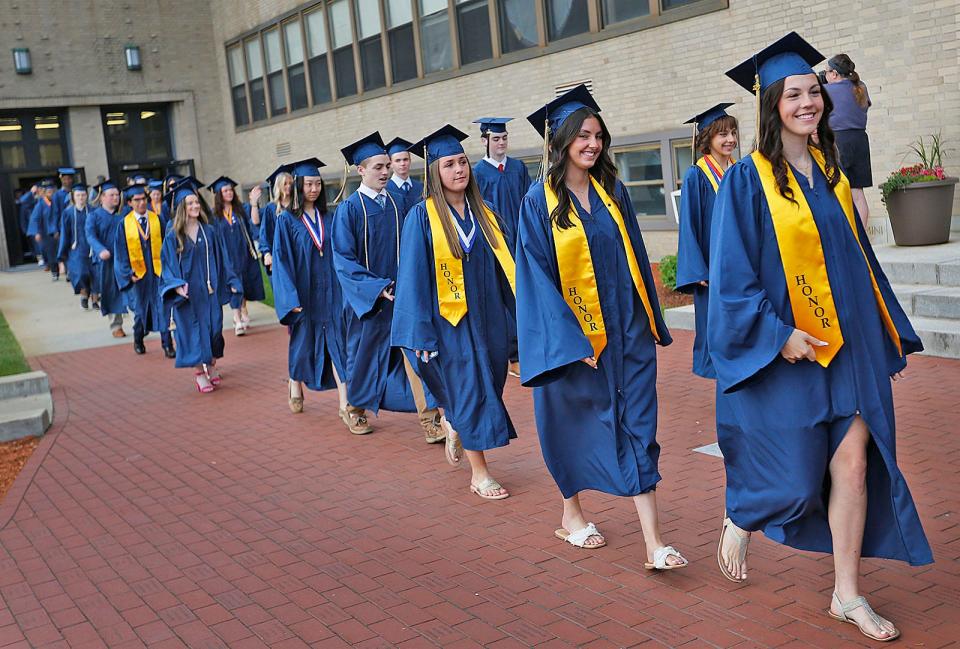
{"type": "Point", "coordinates": [861, 602]}
{"type": "Point", "coordinates": [488, 485]}
{"type": "Point", "coordinates": [453, 448]}
{"type": "Point", "coordinates": [743, 542]}
{"type": "Point", "coordinates": [356, 421]}
{"type": "Point", "coordinates": [579, 538]}
{"type": "Point", "coordinates": [295, 403]}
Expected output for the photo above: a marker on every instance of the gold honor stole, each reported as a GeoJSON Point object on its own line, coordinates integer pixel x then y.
{"type": "Point", "coordinates": [133, 234]}
{"type": "Point", "coordinates": [451, 296]}
{"type": "Point", "coordinates": [578, 283]}
{"type": "Point", "coordinates": [801, 253]}
{"type": "Point", "coordinates": [712, 170]}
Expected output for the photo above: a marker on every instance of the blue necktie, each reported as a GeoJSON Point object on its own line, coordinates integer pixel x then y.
{"type": "Point", "coordinates": [405, 187]}
{"type": "Point", "coordinates": [380, 200]}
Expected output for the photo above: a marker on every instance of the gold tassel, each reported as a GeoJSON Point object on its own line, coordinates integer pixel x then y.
{"type": "Point", "coordinates": [343, 184]}
{"type": "Point", "coordinates": [426, 171]}
{"type": "Point", "coordinates": [756, 92]}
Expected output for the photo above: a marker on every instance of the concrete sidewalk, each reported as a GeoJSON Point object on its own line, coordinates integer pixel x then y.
{"type": "Point", "coordinates": [46, 317]}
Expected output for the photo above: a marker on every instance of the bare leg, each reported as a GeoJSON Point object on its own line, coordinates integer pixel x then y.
{"type": "Point", "coordinates": [860, 202]}
{"type": "Point", "coordinates": [650, 524]}
{"type": "Point", "coordinates": [847, 513]}
{"type": "Point", "coordinates": [478, 465]}
{"type": "Point", "coordinates": [341, 389]}
{"type": "Point", "coordinates": [573, 520]}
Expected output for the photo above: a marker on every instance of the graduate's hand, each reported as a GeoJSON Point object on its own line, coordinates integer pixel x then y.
{"type": "Point", "coordinates": [104, 254]}
{"type": "Point", "coordinates": [267, 259]}
{"type": "Point", "coordinates": [56, 235]}
{"type": "Point", "coordinates": [387, 293]}
{"type": "Point", "coordinates": [591, 361]}
{"type": "Point", "coordinates": [425, 355]}
{"type": "Point", "coordinates": [182, 291]}
{"type": "Point", "coordinates": [297, 309]}
{"type": "Point", "coordinates": [896, 376]}
{"type": "Point", "coordinates": [62, 267]}
{"type": "Point", "coordinates": [37, 238]}
{"type": "Point", "coordinates": [703, 282]}
{"type": "Point", "coordinates": [134, 279]}
{"type": "Point", "coordinates": [801, 345]}
{"type": "Point", "coordinates": [254, 194]}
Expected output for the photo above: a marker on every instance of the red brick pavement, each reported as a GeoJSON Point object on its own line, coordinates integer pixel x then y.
{"type": "Point", "coordinates": [164, 518]}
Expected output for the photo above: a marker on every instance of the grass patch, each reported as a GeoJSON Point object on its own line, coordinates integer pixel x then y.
{"type": "Point", "coordinates": [11, 356]}
{"type": "Point", "coordinates": [267, 288]}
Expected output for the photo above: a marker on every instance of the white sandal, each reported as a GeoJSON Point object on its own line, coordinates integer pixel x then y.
{"type": "Point", "coordinates": [861, 602]}
{"type": "Point", "coordinates": [579, 538]}
{"type": "Point", "coordinates": [743, 542]}
{"type": "Point", "coordinates": [660, 556]}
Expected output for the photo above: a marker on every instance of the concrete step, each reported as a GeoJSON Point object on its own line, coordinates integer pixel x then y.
{"type": "Point", "coordinates": [22, 385]}
{"type": "Point", "coordinates": [25, 416]}
{"type": "Point", "coordinates": [681, 317]}
{"type": "Point", "coordinates": [940, 336]}
{"type": "Point", "coordinates": [936, 265]}
{"type": "Point", "coordinates": [929, 300]}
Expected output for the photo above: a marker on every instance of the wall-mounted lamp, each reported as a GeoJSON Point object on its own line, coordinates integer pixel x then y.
{"type": "Point", "coordinates": [21, 60]}
{"type": "Point", "coordinates": [132, 54]}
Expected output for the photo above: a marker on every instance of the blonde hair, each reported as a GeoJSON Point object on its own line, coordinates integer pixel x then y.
{"type": "Point", "coordinates": [277, 192]}
{"type": "Point", "coordinates": [180, 220]}
{"type": "Point", "coordinates": [481, 212]}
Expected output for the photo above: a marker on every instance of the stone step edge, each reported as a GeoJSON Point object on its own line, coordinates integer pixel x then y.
{"type": "Point", "coordinates": [23, 385]}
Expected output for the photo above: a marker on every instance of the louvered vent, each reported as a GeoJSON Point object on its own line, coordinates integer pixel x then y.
{"type": "Point", "coordinates": [283, 149]}
{"type": "Point", "coordinates": [566, 87]}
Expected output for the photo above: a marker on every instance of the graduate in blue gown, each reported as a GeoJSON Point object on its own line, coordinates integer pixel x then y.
{"type": "Point", "coordinates": [406, 190]}
{"type": "Point", "coordinates": [234, 222]}
{"type": "Point", "coordinates": [281, 184]}
{"type": "Point", "coordinates": [595, 395]}
{"type": "Point", "coordinates": [44, 228]}
{"type": "Point", "coordinates": [306, 290]}
{"type": "Point", "coordinates": [194, 275]}
{"type": "Point", "coordinates": [137, 268]}
{"type": "Point", "coordinates": [62, 197]}
{"type": "Point", "coordinates": [715, 143]}
{"type": "Point", "coordinates": [805, 335]}
{"type": "Point", "coordinates": [101, 227]}
{"type": "Point", "coordinates": [74, 251]}
{"type": "Point", "coordinates": [462, 356]}
{"type": "Point", "coordinates": [366, 248]}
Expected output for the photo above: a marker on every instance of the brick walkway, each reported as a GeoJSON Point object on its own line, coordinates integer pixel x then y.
{"type": "Point", "coordinates": [159, 517]}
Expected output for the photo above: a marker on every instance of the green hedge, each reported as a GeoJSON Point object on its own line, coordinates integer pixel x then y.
{"type": "Point", "coordinates": [11, 356]}
{"type": "Point", "coordinates": [668, 271]}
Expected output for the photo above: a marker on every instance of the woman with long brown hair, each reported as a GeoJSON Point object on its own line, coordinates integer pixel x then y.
{"type": "Point", "coordinates": [805, 335]}
{"type": "Point", "coordinates": [232, 220]}
{"type": "Point", "coordinates": [848, 121]}
{"type": "Point", "coordinates": [195, 276]}
{"type": "Point", "coordinates": [453, 301]}
{"type": "Point", "coordinates": [588, 323]}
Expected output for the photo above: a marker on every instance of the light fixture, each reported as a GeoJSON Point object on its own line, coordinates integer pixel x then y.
{"type": "Point", "coordinates": [132, 54]}
{"type": "Point", "coordinates": [21, 60]}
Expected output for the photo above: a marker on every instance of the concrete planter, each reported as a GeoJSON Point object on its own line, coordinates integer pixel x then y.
{"type": "Point", "coordinates": [920, 213]}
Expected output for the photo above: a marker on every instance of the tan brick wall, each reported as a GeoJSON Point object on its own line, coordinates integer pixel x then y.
{"type": "Point", "coordinates": [651, 81]}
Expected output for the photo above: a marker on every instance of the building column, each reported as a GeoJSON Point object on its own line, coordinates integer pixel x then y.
{"type": "Point", "coordinates": [88, 147]}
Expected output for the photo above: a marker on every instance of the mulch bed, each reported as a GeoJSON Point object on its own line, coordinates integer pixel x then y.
{"type": "Point", "coordinates": [668, 297]}
{"type": "Point", "coordinates": [13, 456]}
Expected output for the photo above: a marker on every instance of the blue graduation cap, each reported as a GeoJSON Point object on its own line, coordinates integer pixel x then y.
{"type": "Point", "coordinates": [47, 183]}
{"type": "Point", "coordinates": [105, 185]}
{"type": "Point", "coordinates": [134, 190]}
{"type": "Point", "coordinates": [492, 124]}
{"type": "Point", "coordinates": [439, 144]}
{"type": "Point", "coordinates": [155, 184]}
{"type": "Point", "coordinates": [558, 110]}
{"type": "Point", "coordinates": [305, 167]}
{"type": "Point", "coordinates": [709, 116]}
{"type": "Point", "coordinates": [66, 171]}
{"type": "Point", "coordinates": [397, 145]}
{"type": "Point", "coordinates": [284, 168]}
{"type": "Point", "coordinates": [786, 57]}
{"type": "Point", "coordinates": [220, 183]}
{"type": "Point", "coordinates": [139, 179]}
{"type": "Point", "coordinates": [187, 186]}
{"type": "Point", "coordinates": [364, 148]}
{"type": "Point", "coordinates": [78, 187]}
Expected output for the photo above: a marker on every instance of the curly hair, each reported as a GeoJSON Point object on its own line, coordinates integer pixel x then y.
{"type": "Point", "coordinates": [725, 123]}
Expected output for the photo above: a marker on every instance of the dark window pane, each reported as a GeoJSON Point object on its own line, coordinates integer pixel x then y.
{"type": "Point", "coordinates": [120, 148]}
{"type": "Point", "coordinates": [51, 154]}
{"type": "Point", "coordinates": [278, 100]}
{"type": "Point", "coordinates": [518, 25]}
{"type": "Point", "coordinates": [371, 64]}
{"type": "Point", "coordinates": [473, 23]}
{"type": "Point", "coordinates": [648, 200]}
{"type": "Point", "coordinates": [155, 147]}
{"type": "Point", "coordinates": [298, 86]}
{"type": "Point", "coordinates": [240, 114]}
{"type": "Point", "coordinates": [673, 4]}
{"type": "Point", "coordinates": [615, 11]}
{"type": "Point", "coordinates": [258, 99]}
{"type": "Point", "coordinates": [403, 58]}
{"type": "Point", "coordinates": [344, 72]}
{"type": "Point", "coordinates": [12, 156]}
{"type": "Point", "coordinates": [435, 42]}
{"type": "Point", "coordinates": [320, 80]}
{"type": "Point", "coordinates": [566, 18]}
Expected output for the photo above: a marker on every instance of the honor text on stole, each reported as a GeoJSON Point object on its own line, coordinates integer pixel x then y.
{"type": "Point", "coordinates": [582, 311]}
{"type": "Point", "coordinates": [452, 286]}
{"type": "Point", "coordinates": [813, 301]}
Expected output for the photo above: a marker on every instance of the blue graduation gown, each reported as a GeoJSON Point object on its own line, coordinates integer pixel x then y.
{"type": "Point", "coordinates": [304, 278]}
{"type": "Point", "coordinates": [597, 427]}
{"type": "Point", "coordinates": [43, 221]}
{"type": "Point", "coordinates": [504, 191]}
{"type": "Point", "coordinates": [268, 225]}
{"type": "Point", "coordinates": [245, 265]}
{"type": "Point", "coordinates": [375, 372]}
{"type": "Point", "coordinates": [406, 199]}
{"type": "Point", "coordinates": [60, 201]}
{"type": "Point", "coordinates": [693, 257]}
{"type": "Point", "coordinates": [143, 296]}
{"type": "Point", "coordinates": [199, 316]}
{"type": "Point", "coordinates": [101, 228]}
{"type": "Point", "coordinates": [778, 423]}
{"type": "Point", "coordinates": [27, 202]}
{"type": "Point", "coordinates": [77, 258]}
{"type": "Point", "coordinates": [468, 374]}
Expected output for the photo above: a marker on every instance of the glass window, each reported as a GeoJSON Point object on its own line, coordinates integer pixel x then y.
{"type": "Point", "coordinates": [343, 69]}
{"type": "Point", "coordinates": [435, 36]}
{"type": "Point", "coordinates": [667, 5]}
{"type": "Point", "coordinates": [238, 89]}
{"type": "Point", "coordinates": [293, 53]}
{"type": "Point", "coordinates": [371, 53]}
{"type": "Point", "coordinates": [682, 159]}
{"type": "Point", "coordinates": [47, 127]}
{"type": "Point", "coordinates": [317, 53]}
{"type": "Point", "coordinates": [642, 173]}
{"type": "Point", "coordinates": [403, 58]}
{"type": "Point", "coordinates": [518, 25]}
{"type": "Point", "coordinates": [10, 129]}
{"type": "Point", "coordinates": [258, 97]}
{"type": "Point", "coordinates": [615, 11]}
{"type": "Point", "coordinates": [473, 26]}
{"type": "Point", "coordinates": [566, 18]}
{"type": "Point", "coordinates": [271, 50]}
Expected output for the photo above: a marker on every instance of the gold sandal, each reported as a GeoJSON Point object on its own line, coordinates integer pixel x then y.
{"type": "Point", "coordinates": [861, 602]}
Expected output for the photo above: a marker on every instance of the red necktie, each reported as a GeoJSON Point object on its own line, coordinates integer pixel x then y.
{"type": "Point", "coordinates": [500, 167]}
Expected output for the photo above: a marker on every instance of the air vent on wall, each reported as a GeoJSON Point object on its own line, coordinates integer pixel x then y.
{"type": "Point", "coordinates": [283, 149]}
{"type": "Point", "coordinates": [566, 87]}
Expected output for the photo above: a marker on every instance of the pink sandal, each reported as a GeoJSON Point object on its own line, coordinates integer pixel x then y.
{"type": "Point", "coordinates": [203, 389]}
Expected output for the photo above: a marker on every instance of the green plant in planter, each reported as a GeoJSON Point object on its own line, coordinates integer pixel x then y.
{"type": "Point", "coordinates": [668, 271]}
{"type": "Point", "coordinates": [929, 168]}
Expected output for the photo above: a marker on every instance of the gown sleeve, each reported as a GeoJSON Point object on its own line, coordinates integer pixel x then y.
{"type": "Point", "coordinates": [267, 219]}
{"type": "Point", "coordinates": [416, 296]}
{"type": "Point", "coordinates": [691, 263]}
{"type": "Point", "coordinates": [285, 295]}
{"type": "Point", "coordinates": [361, 288]}
{"type": "Point", "coordinates": [90, 227]}
{"type": "Point", "coordinates": [744, 333]}
{"type": "Point", "coordinates": [171, 276]}
{"type": "Point", "coordinates": [549, 336]}
{"type": "Point", "coordinates": [66, 234]}
{"type": "Point", "coordinates": [35, 224]}
{"type": "Point", "coordinates": [121, 259]}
